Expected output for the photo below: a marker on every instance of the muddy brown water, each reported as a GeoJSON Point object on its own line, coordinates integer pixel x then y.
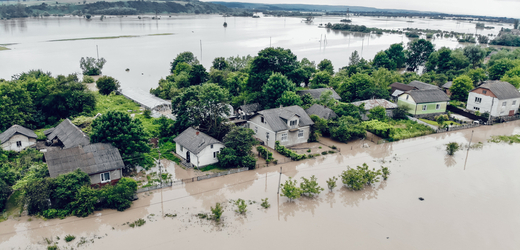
{"type": "Point", "coordinates": [472, 208]}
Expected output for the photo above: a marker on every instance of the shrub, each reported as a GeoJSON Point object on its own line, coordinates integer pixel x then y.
{"type": "Point", "coordinates": [52, 247]}
{"type": "Point", "coordinates": [356, 179]}
{"type": "Point", "coordinates": [5, 191]}
{"type": "Point", "coordinates": [264, 153]}
{"type": "Point", "coordinates": [324, 152]}
{"type": "Point", "coordinates": [217, 212]}
{"type": "Point", "coordinates": [265, 204]}
{"type": "Point", "coordinates": [147, 114]}
{"type": "Point", "coordinates": [137, 223]}
{"type": "Point", "coordinates": [452, 147]}
{"type": "Point", "coordinates": [379, 128]}
{"type": "Point", "coordinates": [90, 66]}
{"type": "Point", "coordinates": [88, 79]}
{"type": "Point", "coordinates": [310, 186]}
{"type": "Point", "coordinates": [50, 213]}
{"type": "Point", "coordinates": [331, 182]}
{"type": "Point", "coordinates": [290, 190]}
{"type": "Point", "coordinates": [241, 205]}
{"type": "Point", "coordinates": [107, 85]}
{"type": "Point", "coordinates": [69, 238]}
{"type": "Point", "coordinates": [289, 153]}
{"type": "Point", "coordinates": [385, 172]}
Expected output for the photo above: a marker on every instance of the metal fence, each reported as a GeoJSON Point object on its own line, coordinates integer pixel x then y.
{"type": "Point", "coordinates": [232, 171]}
{"type": "Point", "coordinates": [455, 128]}
{"type": "Point", "coordinates": [162, 185]}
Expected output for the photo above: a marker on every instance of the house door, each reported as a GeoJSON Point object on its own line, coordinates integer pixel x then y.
{"type": "Point", "coordinates": [511, 112]}
{"type": "Point", "coordinates": [188, 157]}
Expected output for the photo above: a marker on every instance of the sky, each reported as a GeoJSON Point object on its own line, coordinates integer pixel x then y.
{"type": "Point", "coordinates": [499, 8]}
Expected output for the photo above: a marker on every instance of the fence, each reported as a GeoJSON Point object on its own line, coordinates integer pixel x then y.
{"type": "Point", "coordinates": [455, 128]}
{"type": "Point", "coordinates": [162, 185]}
{"type": "Point", "coordinates": [232, 171]}
{"type": "Point", "coordinates": [503, 119]}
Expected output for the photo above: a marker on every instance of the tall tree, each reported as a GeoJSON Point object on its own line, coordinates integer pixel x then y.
{"type": "Point", "coordinates": [396, 54]}
{"type": "Point", "coordinates": [107, 84]}
{"type": "Point", "coordinates": [239, 143]}
{"type": "Point", "coordinates": [185, 57]}
{"type": "Point", "coordinates": [220, 63]}
{"type": "Point", "coordinates": [289, 98]}
{"type": "Point", "coordinates": [124, 132]}
{"type": "Point", "coordinates": [16, 105]}
{"type": "Point", "coordinates": [381, 60]}
{"type": "Point", "coordinates": [326, 65]}
{"type": "Point", "coordinates": [276, 85]}
{"type": "Point", "coordinates": [320, 79]}
{"type": "Point", "coordinates": [475, 54]}
{"type": "Point", "coordinates": [198, 75]}
{"type": "Point", "coordinates": [90, 66]}
{"type": "Point", "coordinates": [418, 52]}
{"type": "Point", "coordinates": [461, 87]}
{"type": "Point", "coordinates": [356, 87]}
{"type": "Point", "coordinates": [267, 62]}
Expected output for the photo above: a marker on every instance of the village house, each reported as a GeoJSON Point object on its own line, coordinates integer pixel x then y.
{"type": "Point", "coordinates": [66, 135]}
{"type": "Point", "coordinates": [196, 148]}
{"type": "Point", "coordinates": [397, 88]}
{"type": "Point", "coordinates": [316, 93]}
{"type": "Point", "coordinates": [424, 103]}
{"type": "Point", "coordinates": [289, 125]}
{"type": "Point", "coordinates": [446, 88]}
{"type": "Point", "coordinates": [17, 138]}
{"type": "Point", "coordinates": [422, 85]}
{"type": "Point", "coordinates": [370, 104]}
{"type": "Point", "coordinates": [321, 111]}
{"type": "Point", "coordinates": [247, 110]}
{"type": "Point", "coordinates": [101, 161]}
{"type": "Point", "coordinates": [494, 97]}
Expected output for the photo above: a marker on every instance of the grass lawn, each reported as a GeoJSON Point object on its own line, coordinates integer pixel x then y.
{"type": "Point", "coordinates": [434, 123]}
{"type": "Point", "coordinates": [407, 129]}
{"type": "Point", "coordinates": [212, 167]}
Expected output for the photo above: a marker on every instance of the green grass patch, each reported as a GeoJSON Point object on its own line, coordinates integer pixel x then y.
{"type": "Point", "coordinates": [91, 38]}
{"type": "Point", "coordinates": [210, 167]}
{"type": "Point", "coordinates": [408, 129]}
{"type": "Point", "coordinates": [166, 148]}
{"type": "Point", "coordinates": [105, 103]}
{"type": "Point", "coordinates": [161, 34]}
{"type": "Point", "coordinates": [505, 138]}
{"type": "Point", "coordinates": [434, 123]}
{"type": "Point", "coordinates": [4, 48]}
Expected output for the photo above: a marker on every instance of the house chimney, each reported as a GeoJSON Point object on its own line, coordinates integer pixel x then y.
{"type": "Point", "coordinates": [197, 133]}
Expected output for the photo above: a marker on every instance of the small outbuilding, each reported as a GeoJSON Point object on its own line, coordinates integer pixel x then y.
{"type": "Point", "coordinates": [316, 93]}
{"type": "Point", "coordinates": [101, 161]}
{"type": "Point", "coordinates": [372, 103]}
{"type": "Point", "coordinates": [197, 148]}
{"type": "Point", "coordinates": [66, 135]}
{"type": "Point", "coordinates": [321, 111]}
{"type": "Point", "coordinates": [17, 138]}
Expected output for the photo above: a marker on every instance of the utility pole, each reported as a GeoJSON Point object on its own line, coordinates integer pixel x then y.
{"type": "Point", "coordinates": [97, 51]}
{"type": "Point", "coordinates": [279, 180]}
{"type": "Point", "coordinates": [467, 153]}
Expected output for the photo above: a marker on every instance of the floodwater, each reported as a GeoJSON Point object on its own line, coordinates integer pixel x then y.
{"type": "Point", "coordinates": [153, 44]}
{"type": "Point", "coordinates": [471, 205]}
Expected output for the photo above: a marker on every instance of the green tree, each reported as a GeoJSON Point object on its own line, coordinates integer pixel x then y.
{"type": "Point", "coordinates": [121, 195]}
{"type": "Point", "coordinates": [220, 63]}
{"type": "Point", "coordinates": [239, 143]}
{"type": "Point", "coordinates": [512, 76]}
{"type": "Point", "coordinates": [475, 54]}
{"type": "Point", "coordinates": [347, 128]}
{"type": "Point", "coordinates": [36, 195]}
{"type": "Point", "coordinates": [182, 67]}
{"type": "Point", "coordinates": [331, 183]}
{"type": "Point", "coordinates": [289, 98]}
{"type": "Point", "coordinates": [354, 58]}
{"type": "Point", "coordinates": [290, 189]}
{"type": "Point", "coordinates": [452, 147]}
{"type": "Point", "coordinates": [90, 66]}
{"type": "Point", "coordinates": [310, 186]}
{"type": "Point", "coordinates": [16, 106]}
{"type": "Point", "coordinates": [500, 67]}
{"type": "Point", "coordinates": [353, 179]}
{"type": "Point", "coordinates": [461, 87]}
{"type": "Point", "coordinates": [400, 113]}
{"type": "Point", "coordinates": [198, 75]}
{"type": "Point", "coordinates": [241, 206]}
{"type": "Point", "coordinates": [107, 84]}
{"type": "Point", "coordinates": [327, 99]}
{"type": "Point", "coordinates": [378, 113]}
{"type": "Point", "coordinates": [477, 75]}
{"type": "Point", "coordinates": [320, 79]}
{"type": "Point", "coordinates": [276, 85]}
{"type": "Point", "coordinates": [418, 52]}
{"type": "Point", "coordinates": [357, 88]}
{"type": "Point", "coordinates": [396, 54]}
{"type": "Point", "coordinates": [381, 60]}
{"type": "Point", "coordinates": [5, 191]}
{"type": "Point", "coordinates": [347, 109]}
{"type": "Point", "coordinates": [66, 186]}
{"type": "Point", "coordinates": [269, 61]}
{"type": "Point", "coordinates": [84, 201]}
{"type": "Point", "coordinates": [326, 65]}
{"type": "Point", "coordinates": [184, 57]}
{"type": "Point", "coordinates": [125, 133]}
{"type": "Point", "coordinates": [217, 212]}
{"type": "Point", "coordinates": [384, 77]}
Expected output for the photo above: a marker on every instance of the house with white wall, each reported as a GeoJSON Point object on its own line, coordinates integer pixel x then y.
{"type": "Point", "coordinates": [424, 102]}
{"type": "Point", "coordinates": [494, 97]}
{"type": "Point", "coordinates": [197, 148]}
{"type": "Point", "coordinates": [288, 125]}
{"type": "Point", "coordinates": [17, 138]}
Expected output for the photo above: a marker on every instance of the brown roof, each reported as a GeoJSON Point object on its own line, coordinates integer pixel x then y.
{"type": "Point", "coordinates": [91, 159]}
{"type": "Point", "coordinates": [502, 90]}
{"type": "Point", "coordinates": [401, 86]}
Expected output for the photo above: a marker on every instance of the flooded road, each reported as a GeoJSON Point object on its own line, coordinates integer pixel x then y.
{"type": "Point", "coordinates": [147, 47]}
{"type": "Point", "coordinates": [465, 206]}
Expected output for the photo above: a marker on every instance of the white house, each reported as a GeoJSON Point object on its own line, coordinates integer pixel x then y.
{"type": "Point", "coordinates": [494, 97]}
{"type": "Point", "coordinates": [289, 125]}
{"type": "Point", "coordinates": [197, 148]}
{"type": "Point", "coordinates": [17, 138]}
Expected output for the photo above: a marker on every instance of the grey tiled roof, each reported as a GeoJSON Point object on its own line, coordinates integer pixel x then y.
{"type": "Point", "coordinates": [316, 93]}
{"type": "Point", "coordinates": [48, 131]}
{"type": "Point", "coordinates": [69, 135]}
{"type": "Point", "coordinates": [369, 104]}
{"type": "Point", "coordinates": [401, 86]}
{"type": "Point", "coordinates": [502, 90]}
{"type": "Point", "coordinates": [91, 159]}
{"type": "Point", "coordinates": [248, 108]}
{"type": "Point", "coordinates": [422, 85]}
{"type": "Point", "coordinates": [274, 117]}
{"type": "Point", "coordinates": [16, 129]}
{"type": "Point", "coordinates": [428, 95]}
{"type": "Point", "coordinates": [447, 85]}
{"type": "Point", "coordinates": [321, 111]}
{"type": "Point", "coordinates": [194, 142]}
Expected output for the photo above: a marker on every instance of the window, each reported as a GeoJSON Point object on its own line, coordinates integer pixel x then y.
{"type": "Point", "coordinates": [478, 99]}
{"type": "Point", "coordinates": [211, 146]}
{"type": "Point", "coordinates": [438, 106]}
{"type": "Point", "coordinates": [267, 135]}
{"type": "Point", "coordinates": [105, 177]}
{"type": "Point", "coordinates": [476, 108]}
{"type": "Point", "coordinates": [182, 148]}
{"type": "Point", "coordinates": [19, 144]}
{"type": "Point", "coordinates": [256, 130]}
{"type": "Point", "coordinates": [300, 133]}
{"type": "Point", "coordinates": [514, 103]}
{"type": "Point", "coordinates": [484, 91]}
{"type": "Point", "coordinates": [407, 97]}
{"type": "Point", "coordinates": [424, 107]}
{"type": "Point", "coordinates": [504, 104]}
{"type": "Point", "coordinates": [215, 154]}
{"type": "Point", "coordinates": [293, 123]}
{"type": "Point", "coordinates": [284, 137]}
{"type": "Point", "coordinates": [262, 119]}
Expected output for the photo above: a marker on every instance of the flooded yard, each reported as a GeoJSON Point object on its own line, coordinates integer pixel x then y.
{"type": "Point", "coordinates": [467, 204]}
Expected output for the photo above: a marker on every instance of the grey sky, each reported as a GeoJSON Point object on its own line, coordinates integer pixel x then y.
{"type": "Point", "coordinates": [507, 8]}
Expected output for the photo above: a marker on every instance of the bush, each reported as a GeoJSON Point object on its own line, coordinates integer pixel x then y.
{"type": "Point", "coordinates": [452, 147]}
{"type": "Point", "coordinates": [107, 85]}
{"type": "Point", "coordinates": [290, 190]}
{"type": "Point", "coordinates": [5, 191]}
{"type": "Point", "coordinates": [331, 183]}
{"type": "Point", "coordinates": [379, 128]}
{"type": "Point", "coordinates": [69, 238]}
{"type": "Point", "coordinates": [50, 213]}
{"type": "Point", "coordinates": [88, 79]}
{"type": "Point", "coordinates": [241, 205]}
{"type": "Point", "coordinates": [90, 66]}
{"type": "Point", "coordinates": [289, 153]}
{"type": "Point", "coordinates": [217, 212]}
{"type": "Point", "coordinates": [356, 179]}
{"type": "Point", "coordinates": [265, 204]}
{"type": "Point", "coordinates": [137, 223]}
{"type": "Point", "coordinates": [264, 153]}
{"type": "Point", "coordinates": [310, 187]}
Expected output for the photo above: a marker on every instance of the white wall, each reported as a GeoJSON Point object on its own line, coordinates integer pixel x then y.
{"type": "Point", "coordinates": [11, 143]}
{"type": "Point", "coordinates": [204, 157]}
{"type": "Point", "coordinates": [292, 137]}
{"type": "Point", "coordinates": [261, 129]}
{"type": "Point", "coordinates": [114, 175]}
{"type": "Point", "coordinates": [492, 104]}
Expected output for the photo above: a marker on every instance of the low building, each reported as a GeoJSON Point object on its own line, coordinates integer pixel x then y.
{"type": "Point", "coordinates": [197, 148]}
{"type": "Point", "coordinates": [17, 138]}
{"type": "Point", "coordinates": [422, 85]}
{"type": "Point", "coordinates": [289, 125]}
{"type": "Point", "coordinates": [446, 88]}
{"type": "Point", "coordinates": [101, 161]}
{"type": "Point", "coordinates": [66, 135]}
{"type": "Point", "coordinates": [316, 93]}
{"type": "Point", "coordinates": [428, 102]}
{"type": "Point", "coordinates": [247, 110]}
{"type": "Point", "coordinates": [370, 104]}
{"type": "Point", "coordinates": [397, 88]}
{"type": "Point", "coordinates": [494, 97]}
{"type": "Point", "coordinates": [321, 111]}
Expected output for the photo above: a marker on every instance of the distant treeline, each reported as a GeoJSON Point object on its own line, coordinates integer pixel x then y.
{"type": "Point", "coordinates": [428, 15]}
{"type": "Point", "coordinates": [507, 37]}
{"type": "Point", "coordinates": [110, 8]}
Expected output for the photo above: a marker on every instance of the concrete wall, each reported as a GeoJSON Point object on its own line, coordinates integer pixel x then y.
{"type": "Point", "coordinates": [11, 143]}
{"type": "Point", "coordinates": [114, 175]}
{"type": "Point", "coordinates": [203, 158]}
{"type": "Point", "coordinates": [417, 109]}
{"type": "Point", "coordinates": [292, 137]}
{"type": "Point", "coordinates": [491, 104]}
{"type": "Point", "coordinates": [261, 130]}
